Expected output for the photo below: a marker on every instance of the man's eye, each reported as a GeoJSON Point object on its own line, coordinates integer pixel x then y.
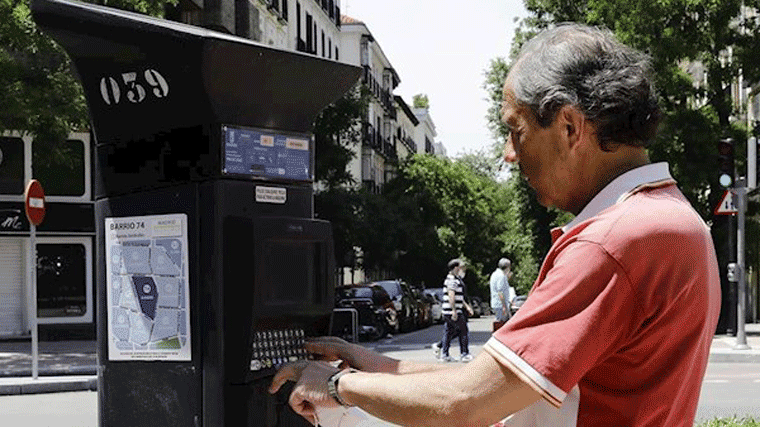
{"type": "Point", "coordinates": [515, 136]}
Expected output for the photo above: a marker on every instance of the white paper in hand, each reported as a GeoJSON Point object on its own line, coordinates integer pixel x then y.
{"type": "Point", "coordinates": [347, 417]}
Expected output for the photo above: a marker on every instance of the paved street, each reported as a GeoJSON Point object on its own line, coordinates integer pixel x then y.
{"type": "Point", "coordinates": [729, 388]}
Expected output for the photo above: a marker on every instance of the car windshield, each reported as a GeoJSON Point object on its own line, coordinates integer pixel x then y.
{"type": "Point", "coordinates": [437, 293]}
{"type": "Point", "coordinates": [390, 286]}
{"type": "Point", "coordinates": [355, 293]}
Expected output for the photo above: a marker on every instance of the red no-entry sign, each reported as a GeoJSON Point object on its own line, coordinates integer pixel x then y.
{"type": "Point", "coordinates": [34, 202]}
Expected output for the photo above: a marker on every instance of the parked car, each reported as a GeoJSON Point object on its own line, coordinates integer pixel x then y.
{"type": "Point", "coordinates": [436, 303]}
{"type": "Point", "coordinates": [517, 302]}
{"type": "Point", "coordinates": [485, 308]}
{"type": "Point", "coordinates": [424, 307]}
{"type": "Point", "coordinates": [377, 314]}
{"type": "Point", "coordinates": [477, 308]}
{"type": "Point", "coordinates": [403, 301]}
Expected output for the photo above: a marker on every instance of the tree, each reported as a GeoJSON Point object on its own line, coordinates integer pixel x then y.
{"type": "Point", "coordinates": [420, 101]}
{"type": "Point", "coordinates": [41, 95]}
{"type": "Point", "coordinates": [677, 34]}
{"type": "Point", "coordinates": [336, 132]}
{"type": "Point", "coordinates": [437, 209]}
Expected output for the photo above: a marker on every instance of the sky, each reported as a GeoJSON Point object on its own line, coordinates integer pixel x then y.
{"type": "Point", "coordinates": [442, 48]}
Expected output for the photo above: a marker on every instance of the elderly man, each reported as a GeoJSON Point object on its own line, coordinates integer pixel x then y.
{"type": "Point", "coordinates": [617, 328]}
{"type": "Point", "coordinates": [501, 293]}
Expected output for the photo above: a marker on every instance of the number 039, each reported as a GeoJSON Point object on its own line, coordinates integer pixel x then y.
{"type": "Point", "coordinates": [134, 88]}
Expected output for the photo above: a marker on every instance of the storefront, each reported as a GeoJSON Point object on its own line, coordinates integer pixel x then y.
{"type": "Point", "coordinates": [65, 240]}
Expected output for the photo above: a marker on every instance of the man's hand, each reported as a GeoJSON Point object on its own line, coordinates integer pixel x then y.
{"type": "Point", "coordinates": [330, 349]}
{"type": "Point", "coordinates": [310, 390]}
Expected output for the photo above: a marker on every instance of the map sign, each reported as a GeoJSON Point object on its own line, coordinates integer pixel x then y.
{"type": "Point", "coordinates": [147, 288]}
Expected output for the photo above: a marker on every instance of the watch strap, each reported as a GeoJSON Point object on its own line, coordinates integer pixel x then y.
{"type": "Point", "coordinates": [332, 385]}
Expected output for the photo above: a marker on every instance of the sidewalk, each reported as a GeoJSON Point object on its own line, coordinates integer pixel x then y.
{"type": "Point", "coordinates": [72, 365]}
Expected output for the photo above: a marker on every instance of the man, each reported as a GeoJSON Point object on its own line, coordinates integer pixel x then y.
{"type": "Point", "coordinates": [455, 320]}
{"type": "Point", "coordinates": [501, 293]}
{"type": "Point", "coordinates": [617, 328]}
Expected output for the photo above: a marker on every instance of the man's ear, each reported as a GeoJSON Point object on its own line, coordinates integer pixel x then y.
{"type": "Point", "coordinates": [572, 124]}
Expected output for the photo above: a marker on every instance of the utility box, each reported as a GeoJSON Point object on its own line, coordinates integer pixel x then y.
{"type": "Point", "coordinates": [211, 268]}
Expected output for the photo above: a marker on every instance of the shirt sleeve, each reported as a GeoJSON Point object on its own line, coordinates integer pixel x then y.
{"type": "Point", "coordinates": [576, 316]}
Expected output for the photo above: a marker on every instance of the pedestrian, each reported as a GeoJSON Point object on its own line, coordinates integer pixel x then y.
{"type": "Point", "coordinates": [451, 332]}
{"type": "Point", "coordinates": [454, 316]}
{"type": "Point", "coordinates": [617, 328]}
{"type": "Point", "coordinates": [502, 293]}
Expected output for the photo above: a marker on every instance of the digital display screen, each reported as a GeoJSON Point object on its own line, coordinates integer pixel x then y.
{"type": "Point", "coordinates": [266, 153]}
{"type": "Point", "coordinates": [294, 270]}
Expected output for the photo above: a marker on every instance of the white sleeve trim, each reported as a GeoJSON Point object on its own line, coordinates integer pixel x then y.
{"type": "Point", "coordinates": [540, 383]}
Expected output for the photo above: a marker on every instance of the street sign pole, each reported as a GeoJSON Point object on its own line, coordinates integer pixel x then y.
{"type": "Point", "coordinates": [34, 205]}
{"type": "Point", "coordinates": [33, 282]}
{"type": "Point", "coordinates": [741, 205]}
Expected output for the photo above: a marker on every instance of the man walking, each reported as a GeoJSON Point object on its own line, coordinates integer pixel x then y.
{"type": "Point", "coordinates": [455, 320]}
{"type": "Point", "coordinates": [501, 293]}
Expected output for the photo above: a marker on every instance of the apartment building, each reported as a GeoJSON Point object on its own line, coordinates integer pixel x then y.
{"type": "Point", "coordinates": [309, 26]}
{"type": "Point", "coordinates": [377, 159]}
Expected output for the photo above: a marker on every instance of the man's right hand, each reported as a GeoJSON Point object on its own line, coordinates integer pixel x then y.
{"type": "Point", "coordinates": [330, 349]}
{"type": "Point", "coordinates": [454, 316]}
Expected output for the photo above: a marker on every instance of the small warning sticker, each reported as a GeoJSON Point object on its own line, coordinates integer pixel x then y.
{"type": "Point", "coordinates": [271, 194]}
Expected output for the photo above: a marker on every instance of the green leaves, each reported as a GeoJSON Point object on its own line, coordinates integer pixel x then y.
{"type": "Point", "coordinates": [40, 92]}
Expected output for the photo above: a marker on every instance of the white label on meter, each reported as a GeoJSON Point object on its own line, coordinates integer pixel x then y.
{"type": "Point", "coordinates": [271, 194]}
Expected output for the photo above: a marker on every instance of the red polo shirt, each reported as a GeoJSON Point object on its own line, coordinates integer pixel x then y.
{"type": "Point", "coordinates": [621, 318]}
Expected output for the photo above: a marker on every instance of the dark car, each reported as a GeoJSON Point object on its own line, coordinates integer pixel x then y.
{"type": "Point", "coordinates": [517, 302]}
{"type": "Point", "coordinates": [477, 307]}
{"type": "Point", "coordinates": [424, 308]}
{"type": "Point", "coordinates": [377, 316]}
{"type": "Point", "coordinates": [403, 301]}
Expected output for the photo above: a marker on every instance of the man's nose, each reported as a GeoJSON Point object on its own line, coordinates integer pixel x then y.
{"type": "Point", "coordinates": [510, 155]}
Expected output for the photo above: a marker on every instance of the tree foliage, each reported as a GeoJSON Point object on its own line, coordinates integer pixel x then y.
{"type": "Point", "coordinates": [713, 37]}
{"type": "Point", "coordinates": [420, 101]}
{"type": "Point", "coordinates": [41, 94]}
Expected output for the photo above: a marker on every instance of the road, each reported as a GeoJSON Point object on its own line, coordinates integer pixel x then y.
{"type": "Point", "coordinates": [729, 388]}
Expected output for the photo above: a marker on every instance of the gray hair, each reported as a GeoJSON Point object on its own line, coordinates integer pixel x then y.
{"type": "Point", "coordinates": [586, 67]}
{"type": "Point", "coordinates": [504, 263]}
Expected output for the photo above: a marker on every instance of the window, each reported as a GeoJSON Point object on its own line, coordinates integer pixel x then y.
{"type": "Point", "coordinates": [62, 280]}
{"type": "Point", "coordinates": [364, 51]}
{"type": "Point", "coordinates": [309, 34]}
{"type": "Point", "coordinates": [323, 44]}
{"type": "Point", "coordinates": [11, 165]}
{"type": "Point", "coordinates": [60, 168]}
{"type": "Point", "coordinates": [298, 20]}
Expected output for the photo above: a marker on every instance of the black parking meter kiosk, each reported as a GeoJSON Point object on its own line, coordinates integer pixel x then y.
{"type": "Point", "coordinates": [211, 268]}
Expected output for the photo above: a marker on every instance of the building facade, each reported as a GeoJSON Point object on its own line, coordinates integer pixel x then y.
{"type": "Point", "coordinates": [64, 241]}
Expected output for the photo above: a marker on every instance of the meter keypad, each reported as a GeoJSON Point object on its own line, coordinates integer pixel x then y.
{"type": "Point", "coordinates": [273, 348]}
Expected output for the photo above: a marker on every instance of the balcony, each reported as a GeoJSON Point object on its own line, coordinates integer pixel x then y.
{"type": "Point", "coordinates": [381, 94]}
{"type": "Point", "coordinates": [410, 144]}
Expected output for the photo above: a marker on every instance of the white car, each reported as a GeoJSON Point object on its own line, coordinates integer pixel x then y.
{"type": "Point", "coordinates": [436, 303]}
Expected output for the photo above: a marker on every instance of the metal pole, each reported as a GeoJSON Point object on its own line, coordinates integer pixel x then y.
{"type": "Point", "coordinates": [741, 202]}
{"type": "Point", "coordinates": [752, 162]}
{"type": "Point", "coordinates": [33, 281]}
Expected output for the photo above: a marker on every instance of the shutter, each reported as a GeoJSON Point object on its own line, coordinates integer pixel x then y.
{"type": "Point", "coordinates": [11, 281]}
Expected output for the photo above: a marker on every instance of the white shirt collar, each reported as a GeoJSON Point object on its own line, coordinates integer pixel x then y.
{"type": "Point", "coordinates": [618, 188]}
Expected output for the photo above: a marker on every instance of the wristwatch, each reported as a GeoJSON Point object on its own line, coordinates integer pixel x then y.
{"type": "Point", "coordinates": [332, 385]}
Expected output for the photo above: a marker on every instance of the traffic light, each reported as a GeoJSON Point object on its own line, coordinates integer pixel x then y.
{"type": "Point", "coordinates": [726, 162]}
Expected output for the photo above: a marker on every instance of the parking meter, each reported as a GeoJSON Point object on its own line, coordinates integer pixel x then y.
{"type": "Point", "coordinates": [211, 268]}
